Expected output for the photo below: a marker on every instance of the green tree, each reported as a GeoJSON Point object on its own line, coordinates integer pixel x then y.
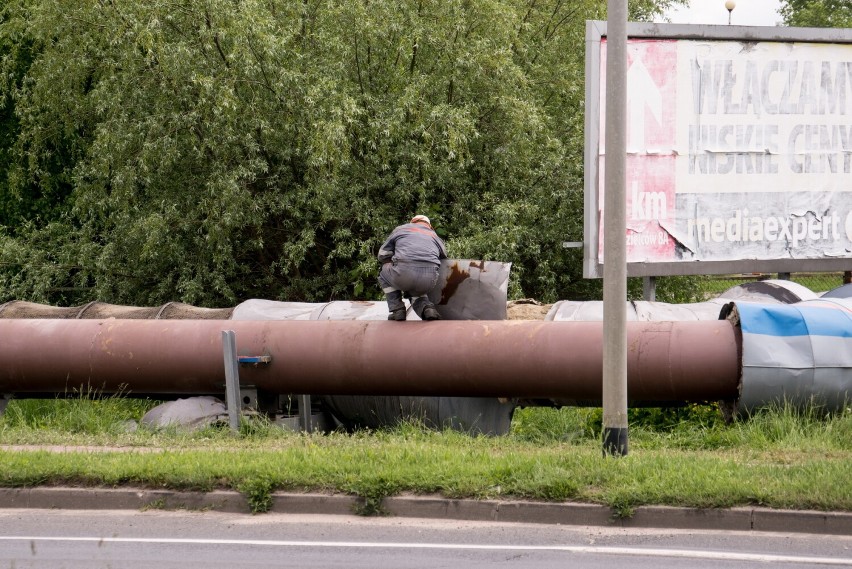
{"type": "Point", "coordinates": [816, 13]}
{"type": "Point", "coordinates": [211, 151]}
{"type": "Point", "coordinates": [32, 184]}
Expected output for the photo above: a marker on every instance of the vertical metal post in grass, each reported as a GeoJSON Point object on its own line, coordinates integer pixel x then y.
{"type": "Point", "coordinates": [232, 378]}
{"type": "Point", "coordinates": [615, 245]}
{"type": "Point", "coordinates": [305, 423]}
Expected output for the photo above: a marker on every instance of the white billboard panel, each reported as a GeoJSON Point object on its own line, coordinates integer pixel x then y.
{"type": "Point", "coordinates": [739, 153]}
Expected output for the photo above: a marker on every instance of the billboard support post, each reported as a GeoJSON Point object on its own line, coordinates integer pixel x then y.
{"type": "Point", "coordinates": [615, 264]}
{"type": "Point", "coordinates": [649, 288]}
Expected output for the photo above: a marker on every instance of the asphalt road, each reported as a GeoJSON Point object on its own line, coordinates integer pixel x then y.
{"type": "Point", "coordinates": [126, 539]}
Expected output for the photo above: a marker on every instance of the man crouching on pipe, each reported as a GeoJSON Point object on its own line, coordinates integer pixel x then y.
{"type": "Point", "coordinates": [410, 258]}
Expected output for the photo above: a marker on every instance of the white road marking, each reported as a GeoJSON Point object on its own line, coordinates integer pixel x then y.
{"type": "Point", "coordinates": [602, 550]}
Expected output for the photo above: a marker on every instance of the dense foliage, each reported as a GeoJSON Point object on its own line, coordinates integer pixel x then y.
{"type": "Point", "coordinates": [211, 151]}
{"type": "Point", "coordinates": [817, 13]}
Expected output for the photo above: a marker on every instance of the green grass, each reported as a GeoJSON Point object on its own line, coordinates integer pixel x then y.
{"type": "Point", "coordinates": [690, 457]}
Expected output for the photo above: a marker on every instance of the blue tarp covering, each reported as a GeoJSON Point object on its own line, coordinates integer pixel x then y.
{"type": "Point", "coordinates": [815, 317]}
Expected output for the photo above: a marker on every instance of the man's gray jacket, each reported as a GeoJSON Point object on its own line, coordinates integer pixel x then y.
{"type": "Point", "coordinates": [413, 242]}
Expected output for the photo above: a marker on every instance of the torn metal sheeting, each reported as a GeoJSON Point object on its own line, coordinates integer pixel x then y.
{"type": "Point", "coordinates": [467, 290]}
{"type": "Point", "coordinates": [844, 291]}
{"type": "Point", "coordinates": [191, 413]}
{"type": "Point", "coordinates": [100, 310]}
{"type": "Point", "coordinates": [472, 290]}
{"type": "Point", "coordinates": [474, 415]}
{"type": "Point", "coordinates": [259, 309]}
{"type": "Point", "coordinates": [769, 291]}
{"type": "Point", "coordinates": [637, 311]}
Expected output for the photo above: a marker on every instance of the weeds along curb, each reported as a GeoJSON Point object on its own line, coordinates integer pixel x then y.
{"type": "Point", "coordinates": [434, 507]}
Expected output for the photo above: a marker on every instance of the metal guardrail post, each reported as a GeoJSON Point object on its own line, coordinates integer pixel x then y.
{"type": "Point", "coordinates": [232, 378]}
{"type": "Point", "coordinates": [305, 423]}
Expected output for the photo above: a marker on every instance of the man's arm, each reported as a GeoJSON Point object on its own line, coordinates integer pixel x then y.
{"type": "Point", "coordinates": [388, 248]}
{"type": "Point", "coordinates": [442, 253]}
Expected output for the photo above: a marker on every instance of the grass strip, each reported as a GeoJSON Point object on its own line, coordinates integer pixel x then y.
{"type": "Point", "coordinates": [778, 458]}
{"type": "Point", "coordinates": [443, 463]}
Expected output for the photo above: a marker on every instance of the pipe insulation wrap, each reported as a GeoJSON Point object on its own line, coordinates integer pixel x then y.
{"type": "Point", "coordinates": [796, 353]}
{"type": "Point", "coordinates": [667, 361]}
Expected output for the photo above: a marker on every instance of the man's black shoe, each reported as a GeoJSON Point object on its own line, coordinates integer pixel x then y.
{"type": "Point", "coordinates": [431, 314]}
{"type": "Point", "coordinates": [398, 314]}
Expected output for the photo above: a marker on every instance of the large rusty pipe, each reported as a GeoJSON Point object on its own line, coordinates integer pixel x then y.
{"type": "Point", "coordinates": [667, 361]}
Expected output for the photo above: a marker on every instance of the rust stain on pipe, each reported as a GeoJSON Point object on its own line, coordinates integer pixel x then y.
{"type": "Point", "coordinates": [667, 361]}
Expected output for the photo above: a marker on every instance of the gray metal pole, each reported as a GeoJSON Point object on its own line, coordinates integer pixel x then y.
{"type": "Point", "coordinates": [615, 243]}
{"type": "Point", "coordinates": [232, 378]}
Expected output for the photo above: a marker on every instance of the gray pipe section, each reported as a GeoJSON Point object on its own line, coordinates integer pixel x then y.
{"type": "Point", "coordinates": [798, 355]}
{"type": "Point", "coordinates": [668, 362]}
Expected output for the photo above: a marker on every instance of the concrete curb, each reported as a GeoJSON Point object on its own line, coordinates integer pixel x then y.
{"type": "Point", "coordinates": [121, 499]}
{"type": "Point", "coordinates": [436, 507]}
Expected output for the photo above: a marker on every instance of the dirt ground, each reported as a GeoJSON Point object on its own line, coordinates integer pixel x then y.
{"type": "Point", "coordinates": [527, 309]}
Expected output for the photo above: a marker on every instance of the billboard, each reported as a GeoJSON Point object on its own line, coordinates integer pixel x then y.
{"type": "Point", "coordinates": [739, 149]}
